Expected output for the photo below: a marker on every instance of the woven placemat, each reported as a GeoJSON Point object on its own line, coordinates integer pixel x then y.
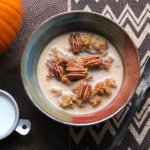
{"type": "Point", "coordinates": [45, 133]}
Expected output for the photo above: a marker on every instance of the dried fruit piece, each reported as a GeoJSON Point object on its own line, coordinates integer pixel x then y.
{"type": "Point", "coordinates": [75, 73]}
{"type": "Point", "coordinates": [91, 61]}
{"type": "Point", "coordinates": [84, 91]}
{"type": "Point", "coordinates": [75, 42]}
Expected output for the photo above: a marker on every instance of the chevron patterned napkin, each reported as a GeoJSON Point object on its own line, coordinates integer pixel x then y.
{"type": "Point", "coordinates": [134, 17]}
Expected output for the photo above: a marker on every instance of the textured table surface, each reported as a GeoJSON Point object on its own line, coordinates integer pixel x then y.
{"type": "Point", "coordinates": [46, 134]}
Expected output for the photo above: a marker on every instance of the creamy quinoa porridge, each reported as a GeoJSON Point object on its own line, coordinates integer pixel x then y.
{"type": "Point", "coordinates": [80, 72]}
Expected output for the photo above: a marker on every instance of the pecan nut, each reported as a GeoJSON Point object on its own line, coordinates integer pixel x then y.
{"type": "Point", "coordinates": [84, 91]}
{"type": "Point", "coordinates": [91, 61]}
{"type": "Point", "coordinates": [75, 42]}
{"type": "Point", "coordinates": [55, 69]}
{"type": "Point", "coordinates": [76, 73]}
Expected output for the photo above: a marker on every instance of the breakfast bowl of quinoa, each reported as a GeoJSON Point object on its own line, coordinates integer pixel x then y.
{"type": "Point", "coordinates": [80, 68]}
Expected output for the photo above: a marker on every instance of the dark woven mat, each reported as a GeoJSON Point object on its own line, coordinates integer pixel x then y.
{"type": "Point", "coordinates": [47, 134]}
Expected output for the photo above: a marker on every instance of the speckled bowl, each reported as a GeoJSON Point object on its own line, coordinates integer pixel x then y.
{"type": "Point", "coordinates": [84, 21]}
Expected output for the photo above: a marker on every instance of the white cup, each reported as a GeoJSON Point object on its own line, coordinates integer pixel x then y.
{"type": "Point", "coordinates": [9, 117]}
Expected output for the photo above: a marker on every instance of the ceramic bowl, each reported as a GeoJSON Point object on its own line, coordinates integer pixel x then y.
{"type": "Point", "coordinates": [80, 21]}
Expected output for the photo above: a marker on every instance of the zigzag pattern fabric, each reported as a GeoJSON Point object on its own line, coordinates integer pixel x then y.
{"type": "Point", "coordinates": [134, 17]}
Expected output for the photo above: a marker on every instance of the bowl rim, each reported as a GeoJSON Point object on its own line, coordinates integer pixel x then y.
{"type": "Point", "coordinates": [76, 12]}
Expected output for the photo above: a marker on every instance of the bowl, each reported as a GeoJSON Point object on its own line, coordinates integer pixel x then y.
{"type": "Point", "coordinates": [80, 21]}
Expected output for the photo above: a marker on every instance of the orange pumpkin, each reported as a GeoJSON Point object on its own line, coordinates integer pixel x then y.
{"type": "Point", "coordinates": [11, 13]}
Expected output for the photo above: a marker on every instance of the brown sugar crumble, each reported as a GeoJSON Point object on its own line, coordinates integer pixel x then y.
{"type": "Point", "coordinates": [95, 101]}
{"type": "Point", "coordinates": [67, 101]}
{"type": "Point", "coordinates": [104, 88]}
{"type": "Point", "coordinates": [56, 92]}
{"type": "Point", "coordinates": [86, 40]}
{"type": "Point", "coordinates": [71, 69]}
{"type": "Point", "coordinates": [88, 78]}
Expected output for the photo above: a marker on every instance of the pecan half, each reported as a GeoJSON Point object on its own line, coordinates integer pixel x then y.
{"type": "Point", "coordinates": [84, 91]}
{"type": "Point", "coordinates": [75, 42]}
{"type": "Point", "coordinates": [76, 73]}
{"type": "Point", "coordinates": [55, 69]}
{"type": "Point", "coordinates": [91, 61]}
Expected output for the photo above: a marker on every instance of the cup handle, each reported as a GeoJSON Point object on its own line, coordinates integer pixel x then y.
{"type": "Point", "coordinates": [23, 126]}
